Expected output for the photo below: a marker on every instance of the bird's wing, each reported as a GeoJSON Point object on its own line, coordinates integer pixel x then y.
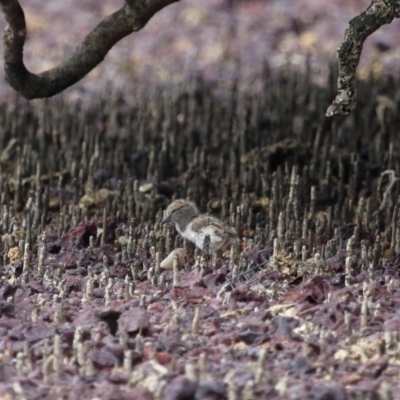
{"type": "Point", "coordinates": [212, 226]}
{"type": "Point", "coordinates": [220, 228]}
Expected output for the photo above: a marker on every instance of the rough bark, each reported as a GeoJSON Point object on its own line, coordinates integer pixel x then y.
{"type": "Point", "coordinates": [132, 17]}
{"type": "Point", "coordinates": [380, 12]}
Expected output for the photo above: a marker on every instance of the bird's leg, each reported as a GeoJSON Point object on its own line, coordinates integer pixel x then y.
{"type": "Point", "coordinates": [222, 244]}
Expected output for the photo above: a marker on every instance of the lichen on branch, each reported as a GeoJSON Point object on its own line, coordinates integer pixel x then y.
{"type": "Point", "coordinates": [379, 12]}
{"type": "Point", "coordinates": [131, 17]}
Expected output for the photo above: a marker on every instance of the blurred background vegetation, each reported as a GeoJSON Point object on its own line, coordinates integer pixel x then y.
{"type": "Point", "coordinates": [217, 39]}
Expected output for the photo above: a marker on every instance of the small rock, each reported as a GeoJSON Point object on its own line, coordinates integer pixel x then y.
{"type": "Point", "coordinates": [168, 262]}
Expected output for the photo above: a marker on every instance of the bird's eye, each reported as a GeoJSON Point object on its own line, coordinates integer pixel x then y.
{"type": "Point", "coordinates": [174, 211]}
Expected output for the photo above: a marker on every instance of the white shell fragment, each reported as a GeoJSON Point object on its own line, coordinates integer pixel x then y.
{"type": "Point", "coordinates": [146, 187]}
{"type": "Point", "coordinates": [168, 262]}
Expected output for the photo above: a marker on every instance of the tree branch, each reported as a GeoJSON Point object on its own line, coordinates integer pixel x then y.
{"type": "Point", "coordinates": [132, 17]}
{"type": "Point", "coordinates": [380, 12]}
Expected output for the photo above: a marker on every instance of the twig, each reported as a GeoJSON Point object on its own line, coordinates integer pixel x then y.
{"type": "Point", "coordinates": [380, 12]}
{"type": "Point", "coordinates": [392, 180]}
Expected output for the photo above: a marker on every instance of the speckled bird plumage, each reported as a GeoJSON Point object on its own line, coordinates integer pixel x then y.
{"type": "Point", "coordinates": [194, 226]}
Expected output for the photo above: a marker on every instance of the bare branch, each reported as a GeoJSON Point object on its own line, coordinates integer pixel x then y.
{"type": "Point", "coordinates": [380, 12]}
{"type": "Point", "coordinates": [132, 17]}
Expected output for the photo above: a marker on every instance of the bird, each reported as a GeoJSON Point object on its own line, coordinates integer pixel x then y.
{"type": "Point", "coordinates": [194, 226]}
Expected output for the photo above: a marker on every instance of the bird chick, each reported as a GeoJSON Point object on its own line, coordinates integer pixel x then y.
{"type": "Point", "coordinates": [194, 226]}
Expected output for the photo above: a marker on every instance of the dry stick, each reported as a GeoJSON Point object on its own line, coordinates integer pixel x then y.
{"type": "Point", "coordinates": [393, 179]}
{"type": "Point", "coordinates": [380, 12]}
{"type": "Point", "coordinates": [132, 17]}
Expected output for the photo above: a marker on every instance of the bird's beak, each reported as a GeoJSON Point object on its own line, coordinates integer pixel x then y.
{"type": "Point", "coordinates": [166, 220]}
